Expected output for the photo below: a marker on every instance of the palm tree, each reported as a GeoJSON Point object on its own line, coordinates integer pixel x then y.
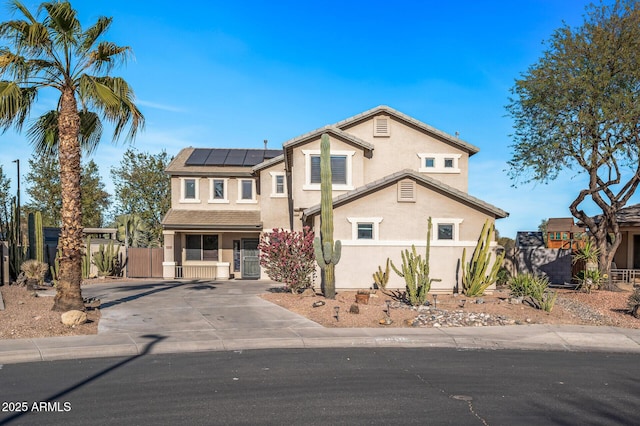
{"type": "Point", "coordinates": [56, 53]}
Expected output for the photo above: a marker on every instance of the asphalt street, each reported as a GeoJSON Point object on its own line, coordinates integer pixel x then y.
{"type": "Point", "coordinates": [327, 386]}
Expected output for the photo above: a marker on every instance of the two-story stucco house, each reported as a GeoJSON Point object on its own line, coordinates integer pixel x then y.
{"type": "Point", "coordinates": [390, 172]}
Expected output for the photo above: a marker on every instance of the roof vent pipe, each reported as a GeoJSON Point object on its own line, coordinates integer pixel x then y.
{"type": "Point", "coordinates": [265, 144]}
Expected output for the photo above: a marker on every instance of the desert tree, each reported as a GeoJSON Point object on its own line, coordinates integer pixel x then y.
{"type": "Point", "coordinates": [578, 109]}
{"type": "Point", "coordinates": [50, 50]}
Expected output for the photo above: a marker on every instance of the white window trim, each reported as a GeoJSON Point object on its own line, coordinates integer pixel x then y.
{"type": "Point", "coordinates": [182, 191]}
{"type": "Point", "coordinates": [308, 186]}
{"type": "Point", "coordinates": [446, 221]}
{"type": "Point", "coordinates": [225, 185]}
{"type": "Point", "coordinates": [354, 221]}
{"type": "Point", "coordinates": [275, 194]}
{"type": "Point", "coordinates": [439, 163]}
{"type": "Point", "coordinates": [253, 192]}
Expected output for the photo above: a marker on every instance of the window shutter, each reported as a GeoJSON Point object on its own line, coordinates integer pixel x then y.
{"type": "Point", "coordinates": [381, 126]}
{"type": "Point", "coordinates": [406, 191]}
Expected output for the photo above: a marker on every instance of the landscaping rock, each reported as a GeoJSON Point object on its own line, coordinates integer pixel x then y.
{"type": "Point", "coordinates": [73, 318]}
{"type": "Point", "coordinates": [354, 309]}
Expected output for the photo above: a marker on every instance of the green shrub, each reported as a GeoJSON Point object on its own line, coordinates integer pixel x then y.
{"type": "Point", "coordinates": [535, 290]}
{"type": "Point", "coordinates": [634, 303]}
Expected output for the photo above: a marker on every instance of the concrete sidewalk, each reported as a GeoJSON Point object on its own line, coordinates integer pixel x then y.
{"type": "Point", "coordinates": [168, 317]}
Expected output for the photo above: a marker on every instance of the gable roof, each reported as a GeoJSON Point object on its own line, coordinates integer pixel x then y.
{"type": "Point", "coordinates": [218, 162]}
{"type": "Point", "coordinates": [383, 109]}
{"type": "Point", "coordinates": [267, 163]}
{"type": "Point", "coordinates": [395, 177]}
{"type": "Point", "coordinates": [563, 224]}
{"type": "Point", "coordinates": [331, 130]}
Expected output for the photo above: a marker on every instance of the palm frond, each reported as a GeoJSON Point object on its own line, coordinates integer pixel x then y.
{"type": "Point", "coordinates": [106, 56]}
{"type": "Point", "coordinates": [44, 136]}
{"type": "Point", "coordinates": [114, 98]}
{"type": "Point", "coordinates": [90, 131]}
{"type": "Point", "coordinates": [15, 104]}
{"type": "Point", "coordinates": [15, 5]}
{"type": "Point", "coordinates": [62, 19]}
{"type": "Point", "coordinates": [32, 38]}
{"type": "Point", "coordinates": [91, 35]}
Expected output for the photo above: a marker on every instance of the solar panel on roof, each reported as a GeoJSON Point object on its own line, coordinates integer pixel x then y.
{"type": "Point", "coordinates": [217, 157]}
{"type": "Point", "coordinates": [271, 153]}
{"type": "Point", "coordinates": [236, 157]}
{"type": "Point", "coordinates": [254, 157]}
{"type": "Point", "coordinates": [198, 157]}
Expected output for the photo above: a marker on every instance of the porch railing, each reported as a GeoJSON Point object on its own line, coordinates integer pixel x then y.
{"type": "Point", "coordinates": [196, 271]}
{"type": "Point", "coordinates": [625, 276]}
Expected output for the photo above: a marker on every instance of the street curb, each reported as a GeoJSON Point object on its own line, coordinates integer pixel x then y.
{"type": "Point", "coordinates": [524, 338]}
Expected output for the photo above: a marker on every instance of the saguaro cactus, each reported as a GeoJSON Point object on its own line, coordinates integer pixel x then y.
{"type": "Point", "coordinates": [327, 253]}
{"type": "Point", "coordinates": [475, 278]}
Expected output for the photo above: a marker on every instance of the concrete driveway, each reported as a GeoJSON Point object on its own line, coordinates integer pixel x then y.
{"type": "Point", "coordinates": [188, 306]}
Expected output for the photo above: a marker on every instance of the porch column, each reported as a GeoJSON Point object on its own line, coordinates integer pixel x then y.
{"type": "Point", "coordinates": [169, 264]}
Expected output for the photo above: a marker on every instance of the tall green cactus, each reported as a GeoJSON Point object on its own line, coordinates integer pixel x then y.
{"type": "Point", "coordinates": [31, 236]}
{"type": "Point", "coordinates": [475, 278]}
{"type": "Point", "coordinates": [17, 251]}
{"type": "Point", "coordinates": [327, 253]}
{"type": "Point", "coordinates": [36, 236]}
{"type": "Point", "coordinates": [39, 237]}
{"type": "Point", "coordinates": [416, 271]}
{"type": "Point", "coordinates": [86, 259]}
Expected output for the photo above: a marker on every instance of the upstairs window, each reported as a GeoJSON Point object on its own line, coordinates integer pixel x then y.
{"type": "Point", "coordinates": [189, 190]}
{"type": "Point", "coordinates": [218, 191]}
{"type": "Point", "coordinates": [246, 191]}
{"type": "Point", "coordinates": [278, 184]}
{"type": "Point", "coordinates": [439, 163]}
{"type": "Point", "coordinates": [341, 170]}
{"type": "Point", "coordinates": [338, 169]}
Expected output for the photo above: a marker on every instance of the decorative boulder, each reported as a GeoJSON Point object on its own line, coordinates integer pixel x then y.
{"type": "Point", "coordinates": [73, 318]}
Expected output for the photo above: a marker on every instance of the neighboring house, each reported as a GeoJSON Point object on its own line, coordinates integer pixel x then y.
{"type": "Point", "coordinates": [563, 233]}
{"type": "Point", "coordinates": [628, 254]}
{"type": "Point", "coordinates": [390, 174]}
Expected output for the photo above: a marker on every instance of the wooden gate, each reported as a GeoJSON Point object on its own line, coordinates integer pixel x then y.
{"type": "Point", "coordinates": [145, 262]}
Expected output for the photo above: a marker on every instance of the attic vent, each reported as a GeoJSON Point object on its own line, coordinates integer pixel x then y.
{"type": "Point", "coordinates": [381, 126]}
{"type": "Point", "coordinates": [406, 191]}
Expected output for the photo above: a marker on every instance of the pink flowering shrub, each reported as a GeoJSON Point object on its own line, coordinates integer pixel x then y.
{"type": "Point", "coordinates": [288, 257]}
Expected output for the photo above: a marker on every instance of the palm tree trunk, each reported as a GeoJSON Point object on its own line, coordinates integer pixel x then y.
{"type": "Point", "coordinates": [69, 295]}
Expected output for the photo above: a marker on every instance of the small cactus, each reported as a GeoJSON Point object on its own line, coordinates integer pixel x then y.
{"type": "Point", "coordinates": [381, 278]}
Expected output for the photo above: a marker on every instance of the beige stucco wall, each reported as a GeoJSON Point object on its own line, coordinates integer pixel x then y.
{"type": "Point", "coordinates": [204, 192]}
{"type": "Point", "coordinates": [624, 255]}
{"type": "Point", "coordinates": [302, 198]}
{"type": "Point", "coordinates": [403, 224]}
{"type": "Point", "coordinates": [274, 209]}
{"type": "Point", "coordinates": [403, 146]}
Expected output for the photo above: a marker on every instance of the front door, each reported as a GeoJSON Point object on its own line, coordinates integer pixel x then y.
{"type": "Point", "coordinates": [250, 259]}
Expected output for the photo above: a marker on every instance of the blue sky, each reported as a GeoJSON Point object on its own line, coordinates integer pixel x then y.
{"type": "Point", "coordinates": [231, 74]}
